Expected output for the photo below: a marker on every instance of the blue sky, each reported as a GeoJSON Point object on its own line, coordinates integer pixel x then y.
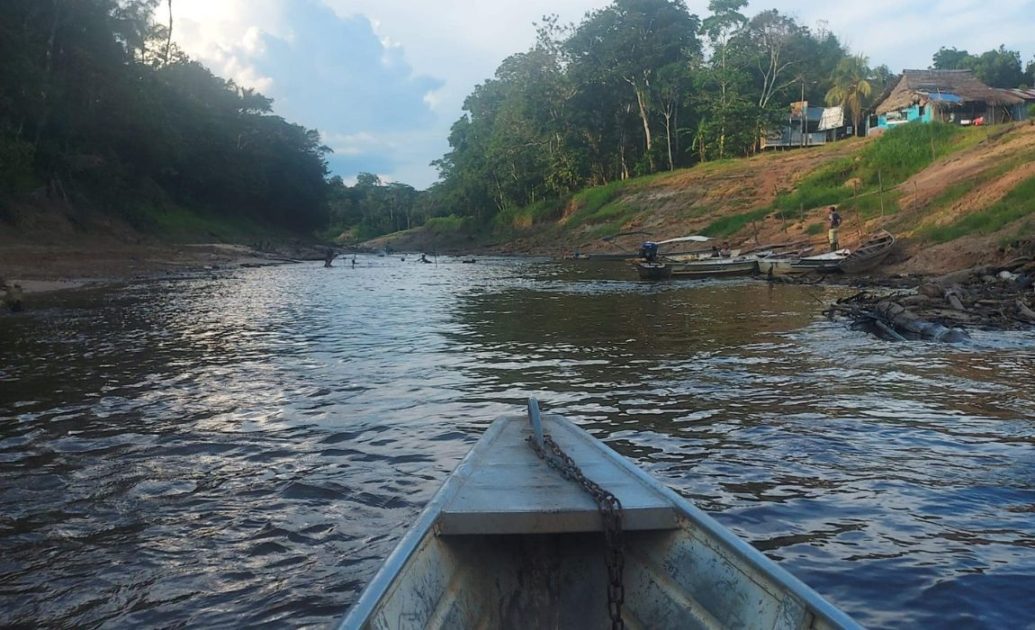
{"type": "Point", "coordinates": [383, 80]}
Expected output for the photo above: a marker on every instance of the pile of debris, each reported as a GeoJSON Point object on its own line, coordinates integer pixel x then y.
{"type": "Point", "coordinates": [985, 297]}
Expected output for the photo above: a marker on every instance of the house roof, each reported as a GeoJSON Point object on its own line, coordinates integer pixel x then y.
{"type": "Point", "coordinates": [1028, 94]}
{"type": "Point", "coordinates": [944, 86]}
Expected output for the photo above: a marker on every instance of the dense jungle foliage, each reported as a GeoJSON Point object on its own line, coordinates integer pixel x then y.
{"type": "Point", "coordinates": [99, 107]}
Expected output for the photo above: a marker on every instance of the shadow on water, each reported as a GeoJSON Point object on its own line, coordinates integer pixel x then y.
{"type": "Point", "coordinates": [246, 448]}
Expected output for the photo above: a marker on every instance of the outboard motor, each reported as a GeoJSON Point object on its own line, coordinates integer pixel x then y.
{"type": "Point", "coordinates": [649, 251]}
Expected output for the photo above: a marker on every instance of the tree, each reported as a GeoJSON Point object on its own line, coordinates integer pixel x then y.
{"type": "Point", "coordinates": [997, 68]}
{"type": "Point", "coordinates": [673, 84]}
{"type": "Point", "coordinates": [772, 38]}
{"type": "Point", "coordinates": [90, 107]}
{"type": "Point", "coordinates": [951, 59]}
{"type": "Point", "coordinates": [632, 40]}
{"type": "Point", "coordinates": [851, 87]}
{"type": "Point", "coordinates": [723, 83]}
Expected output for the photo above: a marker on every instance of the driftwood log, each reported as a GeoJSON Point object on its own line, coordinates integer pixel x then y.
{"type": "Point", "coordinates": [984, 297]}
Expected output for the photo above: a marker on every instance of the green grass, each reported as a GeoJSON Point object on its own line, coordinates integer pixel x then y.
{"type": "Point", "coordinates": [815, 228]}
{"type": "Point", "coordinates": [725, 226]}
{"type": "Point", "coordinates": [886, 162]}
{"type": "Point", "coordinates": [178, 224]}
{"type": "Point", "coordinates": [451, 224]}
{"type": "Point", "coordinates": [604, 204]}
{"type": "Point", "coordinates": [589, 200]}
{"type": "Point", "coordinates": [545, 211]}
{"type": "Point", "coordinates": [824, 187]}
{"type": "Point", "coordinates": [1017, 204]}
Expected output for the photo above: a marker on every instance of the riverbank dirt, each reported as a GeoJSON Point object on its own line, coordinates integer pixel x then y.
{"type": "Point", "coordinates": [55, 247]}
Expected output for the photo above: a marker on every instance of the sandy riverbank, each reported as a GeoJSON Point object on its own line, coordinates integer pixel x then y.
{"type": "Point", "coordinates": [46, 268]}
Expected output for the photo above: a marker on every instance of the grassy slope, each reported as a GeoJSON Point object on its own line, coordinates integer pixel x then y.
{"type": "Point", "coordinates": [972, 190]}
{"type": "Point", "coordinates": [953, 196]}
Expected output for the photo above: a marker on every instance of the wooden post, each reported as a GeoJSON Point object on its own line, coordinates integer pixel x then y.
{"type": "Point", "coordinates": [880, 190]}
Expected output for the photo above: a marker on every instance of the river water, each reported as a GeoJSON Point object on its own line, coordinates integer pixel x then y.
{"type": "Point", "coordinates": [245, 448]}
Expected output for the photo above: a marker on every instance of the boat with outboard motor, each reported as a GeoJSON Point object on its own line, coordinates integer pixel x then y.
{"type": "Point", "coordinates": [695, 263]}
{"type": "Point", "coordinates": [513, 540]}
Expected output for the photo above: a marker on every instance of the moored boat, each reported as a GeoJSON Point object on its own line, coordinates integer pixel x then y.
{"type": "Point", "coordinates": [828, 262]}
{"type": "Point", "coordinates": [869, 254]}
{"type": "Point", "coordinates": [510, 542]}
{"type": "Point", "coordinates": [654, 270]}
{"type": "Point", "coordinates": [715, 267]}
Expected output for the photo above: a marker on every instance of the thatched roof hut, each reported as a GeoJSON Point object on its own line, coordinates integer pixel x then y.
{"type": "Point", "coordinates": [942, 88]}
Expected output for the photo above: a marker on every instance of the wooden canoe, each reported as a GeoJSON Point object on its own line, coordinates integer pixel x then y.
{"type": "Point", "coordinates": [869, 254]}
{"type": "Point", "coordinates": [507, 542]}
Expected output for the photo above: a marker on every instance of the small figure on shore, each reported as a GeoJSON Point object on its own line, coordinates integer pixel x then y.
{"type": "Point", "coordinates": [13, 298]}
{"type": "Point", "coordinates": [329, 257]}
{"type": "Point", "coordinates": [835, 223]}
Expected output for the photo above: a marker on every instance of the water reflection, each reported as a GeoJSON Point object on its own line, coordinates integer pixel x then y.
{"type": "Point", "coordinates": [245, 449]}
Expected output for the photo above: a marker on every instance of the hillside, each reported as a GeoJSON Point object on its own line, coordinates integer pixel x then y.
{"type": "Point", "coordinates": [955, 197]}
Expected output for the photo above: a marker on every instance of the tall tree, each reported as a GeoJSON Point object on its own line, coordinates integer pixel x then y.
{"type": "Point", "coordinates": [725, 81]}
{"type": "Point", "coordinates": [851, 87]}
{"type": "Point", "coordinates": [632, 40]}
{"type": "Point", "coordinates": [998, 67]}
{"type": "Point", "coordinates": [951, 59]}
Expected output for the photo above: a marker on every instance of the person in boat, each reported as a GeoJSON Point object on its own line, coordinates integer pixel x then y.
{"type": "Point", "coordinates": [834, 220]}
{"type": "Point", "coordinates": [725, 251]}
{"type": "Point", "coordinates": [424, 258]}
{"type": "Point", "coordinates": [13, 298]}
{"type": "Point", "coordinates": [715, 251]}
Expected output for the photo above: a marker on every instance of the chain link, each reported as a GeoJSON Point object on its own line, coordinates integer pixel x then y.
{"type": "Point", "coordinates": [611, 515]}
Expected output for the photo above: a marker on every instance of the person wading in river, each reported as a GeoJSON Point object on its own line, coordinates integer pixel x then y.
{"type": "Point", "coordinates": [835, 224]}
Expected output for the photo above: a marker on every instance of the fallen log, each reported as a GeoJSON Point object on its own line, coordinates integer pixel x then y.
{"type": "Point", "coordinates": [906, 323]}
{"type": "Point", "coordinates": [963, 276]}
{"type": "Point", "coordinates": [1024, 312]}
{"type": "Point", "coordinates": [952, 296]}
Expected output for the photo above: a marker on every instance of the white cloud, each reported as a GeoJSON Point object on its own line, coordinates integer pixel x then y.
{"type": "Point", "coordinates": [356, 143]}
{"type": "Point", "coordinates": [464, 42]}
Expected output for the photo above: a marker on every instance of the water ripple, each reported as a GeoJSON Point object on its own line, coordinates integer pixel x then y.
{"type": "Point", "coordinates": [245, 449]}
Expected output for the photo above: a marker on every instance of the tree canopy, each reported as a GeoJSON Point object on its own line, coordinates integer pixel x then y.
{"type": "Point", "coordinates": [999, 68]}
{"type": "Point", "coordinates": [97, 105]}
{"type": "Point", "coordinates": [636, 87]}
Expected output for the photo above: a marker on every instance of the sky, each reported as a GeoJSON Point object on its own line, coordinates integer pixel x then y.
{"type": "Point", "coordinates": [384, 80]}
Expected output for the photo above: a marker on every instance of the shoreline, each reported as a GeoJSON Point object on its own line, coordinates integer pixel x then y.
{"type": "Point", "coordinates": [44, 269]}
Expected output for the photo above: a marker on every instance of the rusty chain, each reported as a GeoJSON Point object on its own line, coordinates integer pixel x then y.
{"type": "Point", "coordinates": [610, 513]}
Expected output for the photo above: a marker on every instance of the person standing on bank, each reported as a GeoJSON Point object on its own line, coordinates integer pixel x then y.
{"type": "Point", "coordinates": [835, 224]}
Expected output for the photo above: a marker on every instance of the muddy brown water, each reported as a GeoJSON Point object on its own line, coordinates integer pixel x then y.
{"type": "Point", "coordinates": [246, 448]}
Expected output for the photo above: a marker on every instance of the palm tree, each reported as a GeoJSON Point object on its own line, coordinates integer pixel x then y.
{"type": "Point", "coordinates": [851, 87]}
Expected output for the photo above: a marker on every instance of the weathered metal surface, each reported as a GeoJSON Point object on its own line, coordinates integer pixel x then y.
{"type": "Point", "coordinates": [698, 575]}
{"type": "Point", "coordinates": [510, 491]}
